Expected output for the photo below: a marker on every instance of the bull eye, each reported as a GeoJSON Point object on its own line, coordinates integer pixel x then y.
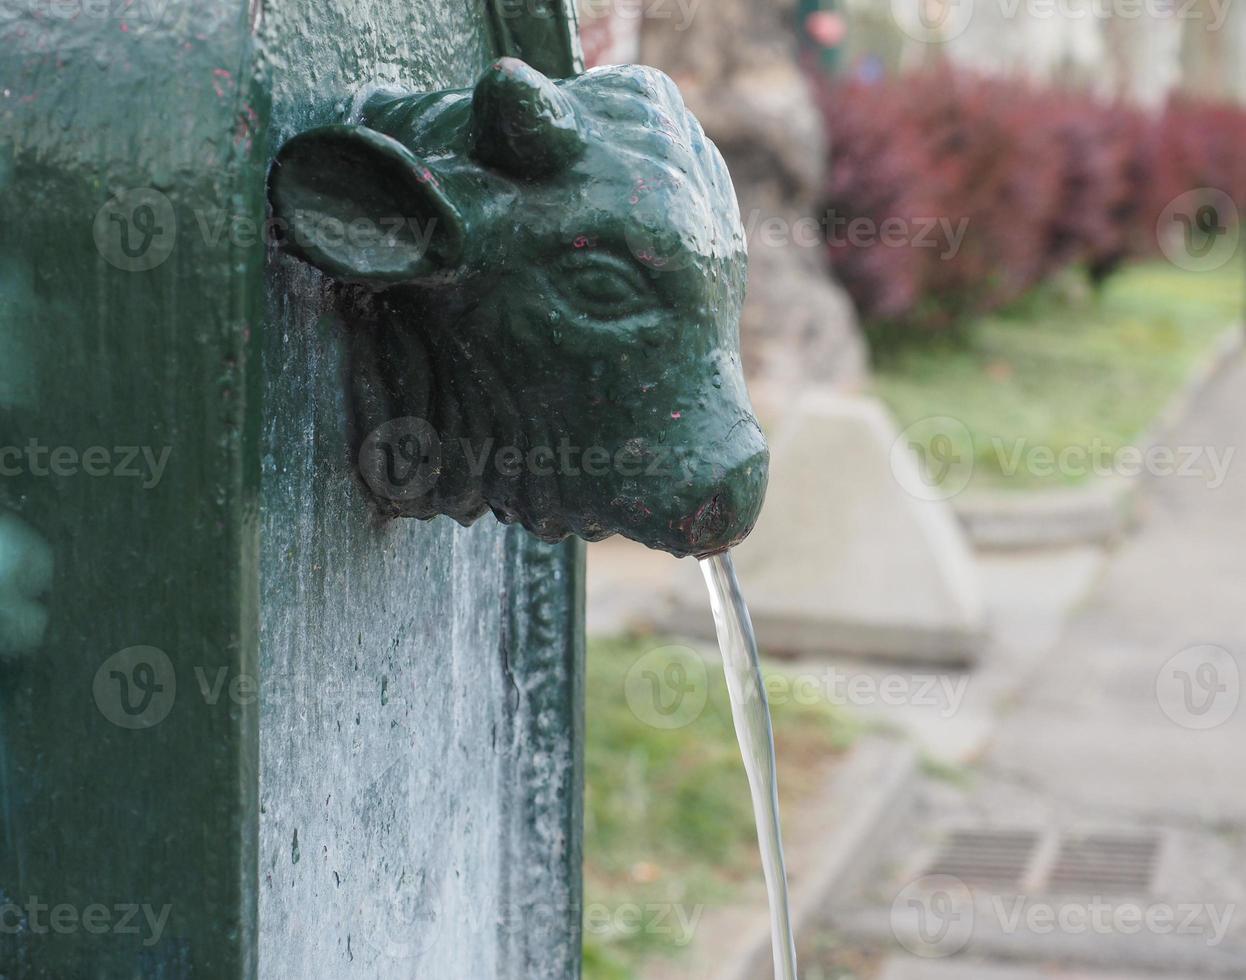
{"type": "Point", "coordinates": [603, 286]}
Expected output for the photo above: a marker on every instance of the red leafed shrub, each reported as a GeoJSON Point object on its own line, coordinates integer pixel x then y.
{"type": "Point", "coordinates": [1017, 184]}
{"type": "Point", "coordinates": [1128, 225]}
{"type": "Point", "coordinates": [982, 141]}
{"type": "Point", "coordinates": [878, 173]}
{"type": "Point", "coordinates": [1090, 160]}
{"type": "Point", "coordinates": [1199, 145]}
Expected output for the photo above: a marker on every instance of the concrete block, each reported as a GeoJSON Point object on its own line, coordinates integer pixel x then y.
{"type": "Point", "coordinates": [844, 559]}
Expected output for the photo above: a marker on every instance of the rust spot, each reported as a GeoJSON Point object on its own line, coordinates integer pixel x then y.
{"type": "Point", "coordinates": [708, 524]}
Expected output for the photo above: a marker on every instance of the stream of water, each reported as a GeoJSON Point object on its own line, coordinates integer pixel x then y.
{"type": "Point", "coordinates": [751, 713]}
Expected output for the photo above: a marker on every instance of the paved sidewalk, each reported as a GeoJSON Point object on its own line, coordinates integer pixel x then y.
{"type": "Point", "coordinates": [1111, 701]}
{"type": "Point", "coordinates": [910, 969]}
{"type": "Point", "coordinates": [1131, 726]}
{"type": "Point", "coordinates": [1137, 712]}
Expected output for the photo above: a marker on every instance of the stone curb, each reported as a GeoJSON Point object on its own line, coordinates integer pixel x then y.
{"type": "Point", "coordinates": [1095, 514]}
{"type": "Point", "coordinates": [862, 801]}
{"type": "Point", "coordinates": [1165, 957]}
{"type": "Point", "coordinates": [869, 794]}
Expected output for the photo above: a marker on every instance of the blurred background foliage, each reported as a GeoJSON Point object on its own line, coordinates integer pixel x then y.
{"type": "Point", "coordinates": [1040, 181]}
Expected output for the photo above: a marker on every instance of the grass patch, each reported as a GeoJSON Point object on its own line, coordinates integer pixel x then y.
{"type": "Point", "coordinates": [1055, 373]}
{"type": "Point", "coordinates": [668, 820]}
{"type": "Point", "coordinates": [947, 772]}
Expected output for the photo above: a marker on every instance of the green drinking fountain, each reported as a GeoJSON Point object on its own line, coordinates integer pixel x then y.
{"type": "Point", "coordinates": [543, 282]}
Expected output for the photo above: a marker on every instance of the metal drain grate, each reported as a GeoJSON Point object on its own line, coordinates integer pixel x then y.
{"type": "Point", "coordinates": [1104, 864]}
{"type": "Point", "coordinates": [999, 858]}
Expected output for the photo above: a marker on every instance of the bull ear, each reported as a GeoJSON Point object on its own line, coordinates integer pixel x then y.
{"type": "Point", "coordinates": [360, 206]}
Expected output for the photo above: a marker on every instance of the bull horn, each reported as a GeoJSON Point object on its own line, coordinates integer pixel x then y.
{"type": "Point", "coordinates": [522, 123]}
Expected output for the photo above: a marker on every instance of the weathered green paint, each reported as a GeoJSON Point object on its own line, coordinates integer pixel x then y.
{"type": "Point", "coordinates": [406, 785]}
{"type": "Point", "coordinates": [536, 32]}
{"type": "Point", "coordinates": [98, 817]}
{"type": "Point", "coordinates": [545, 280]}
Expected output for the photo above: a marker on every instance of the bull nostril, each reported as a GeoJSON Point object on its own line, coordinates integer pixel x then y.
{"type": "Point", "coordinates": [711, 520]}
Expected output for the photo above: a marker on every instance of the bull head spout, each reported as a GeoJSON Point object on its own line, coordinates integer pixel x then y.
{"type": "Point", "coordinates": [550, 280]}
